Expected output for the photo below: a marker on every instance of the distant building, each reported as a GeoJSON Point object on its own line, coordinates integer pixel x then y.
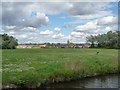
{"type": "Point", "coordinates": [31, 46]}
{"type": "Point", "coordinates": [86, 46]}
{"type": "Point", "coordinates": [58, 45]}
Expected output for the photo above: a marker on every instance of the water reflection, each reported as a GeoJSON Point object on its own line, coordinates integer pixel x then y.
{"type": "Point", "coordinates": [109, 81]}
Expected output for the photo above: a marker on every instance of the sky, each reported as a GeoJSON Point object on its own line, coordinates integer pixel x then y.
{"type": "Point", "coordinates": [57, 22]}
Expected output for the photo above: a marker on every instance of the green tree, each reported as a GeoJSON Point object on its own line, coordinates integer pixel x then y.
{"type": "Point", "coordinates": [8, 42]}
{"type": "Point", "coordinates": [91, 39]}
{"type": "Point", "coordinates": [68, 42]}
{"type": "Point", "coordinates": [109, 40]}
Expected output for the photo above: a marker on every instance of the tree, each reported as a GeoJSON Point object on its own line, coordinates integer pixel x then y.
{"type": "Point", "coordinates": [109, 40]}
{"type": "Point", "coordinates": [68, 42]}
{"type": "Point", "coordinates": [8, 42]}
{"type": "Point", "coordinates": [91, 39]}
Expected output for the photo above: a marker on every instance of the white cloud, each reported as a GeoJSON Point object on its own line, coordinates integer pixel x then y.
{"type": "Point", "coordinates": [57, 29]}
{"type": "Point", "coordinates": [108, 29]}
{"type": "Point", "coordinates": [80, 37]}
{"type": "Point", "coordinates": [69, 37]}
{"type": "Point", "coordinates": [2, 31]}
{"type": "Point", "coordinates": [108, 20]}
{"type": "Point", "coordinates": [25, 9]}
{"type": "Point", "coordinates": [58, 36]}
{"type": "Point", "coordinates": [76, 34]}
{"type": "Point", "coordinates": [23, 20]}
{"type": "Point", "coordinates": [80, 19]}
{"type": "Point", "coordinates": [19, 14]}
{"type": "Point", "coordinates": [36, 21]}
{"type": "Point", "coordinates": [87, 8]}
{"type": "Point", "coordinates": [26, 19]}
{"type": "Point", "coordinates": [102, 30]}
{"type": "Point", "coordinates": [23, 36]}
{"type": "Point", "coordinates": [12, 32]}
{"type": "Point", "coordinates": [31, 29]}
{"type": "Point", "coordinates": [76, 8]}
{"type": "Point", "coordinates": [88, 26]}
{"type": "Point", "coordinates": [47, 32]}
{"type": "Point", "coordinates": [10, 27]}
{"type": "Point", "coordinates": [97, 26]}
{"type": "Point", "coordinates": [92, 16]}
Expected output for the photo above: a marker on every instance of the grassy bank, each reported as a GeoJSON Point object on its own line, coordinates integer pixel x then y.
{"type": "Point", "coordinates": [32, 67]}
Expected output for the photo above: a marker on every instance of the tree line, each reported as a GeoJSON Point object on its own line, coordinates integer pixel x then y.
{"type": "Point", "coordinates": [109, 40]}
{"type": "Point", "coordinates": [8, 42]}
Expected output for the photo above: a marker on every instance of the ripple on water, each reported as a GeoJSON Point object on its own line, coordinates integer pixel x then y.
{"type": "Point", "coordinates": [109, 81]}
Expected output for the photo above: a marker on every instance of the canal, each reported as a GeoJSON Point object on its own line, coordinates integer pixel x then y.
{"type": "Point", "coordinates": [109, 81]}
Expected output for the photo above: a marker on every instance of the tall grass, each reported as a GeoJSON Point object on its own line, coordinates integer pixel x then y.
{"type": "Point", "coordinates": [33, 67]}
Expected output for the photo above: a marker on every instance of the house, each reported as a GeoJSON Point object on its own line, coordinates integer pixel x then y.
{"type": "Point", "coordinates": [22, 46]}
{"type": "Point", "coordinates": [58, 45]}
{"type": "Point", "coordinates": [86, 46]}
{"type": "Point", "coordinates": [31, 46]}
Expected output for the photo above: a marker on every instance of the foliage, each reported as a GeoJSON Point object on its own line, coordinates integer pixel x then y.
{"type": "Point", "coordinates": [70, 43]}
{"type": "Point", "coordinates": [7, 42]}
{"type": "Point", "coordinates": [109, 40]}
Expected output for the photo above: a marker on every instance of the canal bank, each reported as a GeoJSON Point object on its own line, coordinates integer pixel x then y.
{"type": "Point", "coordinates": [101, 81]}
{"type": "Point", "coordinates": [110, 81]}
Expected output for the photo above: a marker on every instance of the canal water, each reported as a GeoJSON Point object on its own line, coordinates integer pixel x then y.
{"type": "Point", "coordinates": [109, 81]}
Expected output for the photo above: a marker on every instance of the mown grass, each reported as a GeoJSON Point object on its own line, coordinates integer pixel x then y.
{"type": "Point", "coordinates": [33, 67]}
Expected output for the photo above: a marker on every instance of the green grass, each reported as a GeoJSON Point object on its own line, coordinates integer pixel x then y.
{"type": "Point", "coordinates": [33, 67]}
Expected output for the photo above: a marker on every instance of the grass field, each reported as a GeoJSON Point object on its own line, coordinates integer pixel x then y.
{"type": "Point", "coordinates": [32, 67]}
